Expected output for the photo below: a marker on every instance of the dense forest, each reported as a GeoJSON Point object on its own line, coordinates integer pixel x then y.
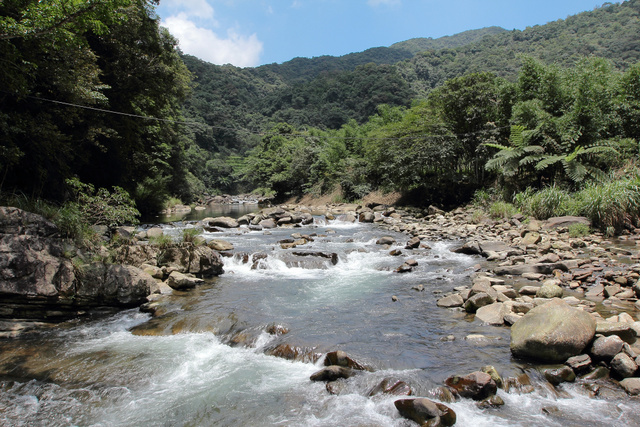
{"type": "Point", "coordinates": [99, 93]}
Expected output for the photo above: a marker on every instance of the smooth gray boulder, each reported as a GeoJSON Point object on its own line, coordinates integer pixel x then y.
{"type": "Point", "coordinates": [552, 332]}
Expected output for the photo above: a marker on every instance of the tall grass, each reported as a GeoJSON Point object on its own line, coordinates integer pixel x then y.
{"type": "Point", "coordinates": [546, 203]}
{"type": "Point", "coordinates": [613, 204]}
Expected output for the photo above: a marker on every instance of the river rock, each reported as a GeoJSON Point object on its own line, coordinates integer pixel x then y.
{"type": "Point", "coordinates": [541, 268]}
{"type": "Point", "coordinates": [565, 221]}
{"type": "Point", "coordinates": [580, 363]}
{"type": "Point", "coordinates": [340, 358]}
{"type": "Point", "coordinates": [560, 375]}
{"type": "Point", "coordinates": [631, 386]}
{"type": "Point", "coordinates": [180, 281]}
{"type": "Point", "coordinates": [221, 221]}
{"type": "Point", "coordinates": [392, 387]}
{"type": "Point", "coordinates": [385, 240]}
{"type": "Point", "coordinates": [552, 332]}
{"type": "Point", "coordinates": [477, 301]}
{"type": "Point", "coordinates": [623, 365]}
{"type": "Point", "coordinates": [605, 348]}
{"type": "Point", "coordinates": [332, 373]}
{"type": "Point", "coordinates": [492, 314]}
{"type": "Point", "coordinates": [621, 329]}
{"type": "Point", "coordinates": [549, 289]}
{"type": "Point", "coordinates": [450, 301]}
{"type": "Point", "coordinates": [476, 385]}
{"type": "Point", "coordinates": [426, 412]}
{"type": "Point", "coordinates": [220, 245]}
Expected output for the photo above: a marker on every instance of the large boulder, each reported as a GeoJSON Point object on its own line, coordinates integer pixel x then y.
{"type": "Point", "coordinates": [552, 332]}
{"type": "Point", "coordinates": [222, 221]}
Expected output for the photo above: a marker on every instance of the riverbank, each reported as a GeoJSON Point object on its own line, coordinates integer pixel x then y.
{"type": "Point", "coordinates": [295, 266]}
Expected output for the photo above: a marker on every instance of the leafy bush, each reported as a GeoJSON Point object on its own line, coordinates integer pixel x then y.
{"type": "Point", "coordinates": [101, 207]}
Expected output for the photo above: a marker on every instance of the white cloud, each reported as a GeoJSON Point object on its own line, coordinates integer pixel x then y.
{"type": "Point", "coordinates": [236, 49]}
{"type": "Point", "coordinates": [375, 3]}
{"type": "Point", "coordinates": [192, 8]}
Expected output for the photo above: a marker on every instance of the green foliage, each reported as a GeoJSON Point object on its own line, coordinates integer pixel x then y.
{"type": "Point", "coordinates": [162, 241]}
{"type": "Point", "coordinates": [579, 230]}
{"type": "Point", "coordinates": [500, 210]}
{"type": "Point", "coordinates": [614, 204]}
{"type": "Point", "coordinates": [102, 207]}
{"type": "Point", "coordinates": [189, 234]}
{"type": "Point", "coordinates": [546, 203]}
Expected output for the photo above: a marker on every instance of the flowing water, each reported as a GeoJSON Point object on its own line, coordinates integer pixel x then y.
{"type": "Point", "coordinates": [204, 358]}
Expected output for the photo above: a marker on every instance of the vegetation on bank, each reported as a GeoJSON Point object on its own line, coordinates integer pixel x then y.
{"type": "Point", "coordinates": [544, 120]}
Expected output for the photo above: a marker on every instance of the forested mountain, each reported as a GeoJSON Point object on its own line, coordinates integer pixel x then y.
{"type": "Point", "coordinates": [100, 92]}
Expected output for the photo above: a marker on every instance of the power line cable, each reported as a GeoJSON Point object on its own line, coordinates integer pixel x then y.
{"type": "Point", "coordinates": [257, 133]}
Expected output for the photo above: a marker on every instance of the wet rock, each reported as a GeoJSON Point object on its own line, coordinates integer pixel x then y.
{"type": "Point", "coordinates": [598, 373]}
{"type": "Point", "coordinates": [560, 375]}
{"type": "Point", "coordinates": [332, 373]}
{"type": "Point", "coordinates": [340, 358]}
{"type": "Point", "coordinates": [631, 386]}
{"type": "Point", "coordinates": [332, 256]}
{"type": "Point", "coordinates": [277, 329]}
{"type": "Point", "coordinates": [289, 352]}
{"type": "Point", "coordinates": [404, 268]}
{"type": "Point", "coordinates": [495, 376]}
{"type": "Point", "coordinates": [580, 363]}
{"type": "Point", "coordinates": [267, 223]}
{"type": "Point", "coordinates": [442, 394]}
{"type": "Point", "coordinates": [552, 332]}
{"type": "Point", "coordinates": [476, 385]}
{"type": "Point", "coordinates": [366, 217]}
{"type": "Point", "coordinates": [426, 412]}
{"type": "Point", "coordinates": [386, 240]}
{"type": "Point", "coordinates": [491, 402]}
{"type": "Point", "coordinates": [519, 385]}
{"type": "Point", "coordinates": [392, 387]}
{"type": "Point", "coordinates": [413, 243]}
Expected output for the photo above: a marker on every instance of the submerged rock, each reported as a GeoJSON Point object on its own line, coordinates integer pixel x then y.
{"type": "Point", "coordinates": [332, 373]}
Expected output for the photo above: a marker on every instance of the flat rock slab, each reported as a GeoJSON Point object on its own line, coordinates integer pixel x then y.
{"type": "Point", "coordinates": [518, 270]}
{"type": "Point", "coordinates": [566, 221]}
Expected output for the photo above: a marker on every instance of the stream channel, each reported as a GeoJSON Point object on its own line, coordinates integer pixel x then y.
{"type": "Point", "coordinates": [203, 360]}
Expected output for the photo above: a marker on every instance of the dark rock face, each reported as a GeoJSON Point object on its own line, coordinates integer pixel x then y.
{"type": "Point", "coordinates": [39, 281]}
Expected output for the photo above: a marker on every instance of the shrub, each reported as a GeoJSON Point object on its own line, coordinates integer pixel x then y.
{"type": "Point", "coordinates": [102, 207]}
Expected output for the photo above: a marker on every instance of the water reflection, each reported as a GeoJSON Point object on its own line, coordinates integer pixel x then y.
{"type": "Point", "coordinates": [235, 210]}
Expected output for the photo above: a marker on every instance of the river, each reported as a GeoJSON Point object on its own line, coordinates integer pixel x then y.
{"type": "Point", "coordinates": [203, 360]}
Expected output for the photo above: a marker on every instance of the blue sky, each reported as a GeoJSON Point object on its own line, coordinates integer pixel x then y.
{"type": "Point", "coordinates": [254, 32]}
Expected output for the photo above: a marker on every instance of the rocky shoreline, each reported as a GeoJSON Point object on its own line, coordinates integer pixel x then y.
{"type": "Point", "coordinates": [525, 270]}
{"type": "Point", "coordinates": [521, 281]}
